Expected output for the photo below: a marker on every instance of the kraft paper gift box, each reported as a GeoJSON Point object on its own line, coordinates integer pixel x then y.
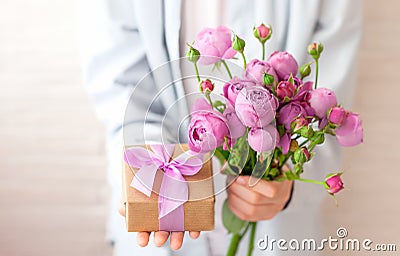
{"type": "Point", "coordinates": [142, 212]}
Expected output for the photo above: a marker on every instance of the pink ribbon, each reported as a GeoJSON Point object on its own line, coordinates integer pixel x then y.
{"type": "Point", "coordinates": [174, 189]}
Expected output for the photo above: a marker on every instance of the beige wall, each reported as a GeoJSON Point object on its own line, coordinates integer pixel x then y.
{"type": "Point", "coordinates": [52, 162]}
{"type": "Point", "coordinates": [370, 208]}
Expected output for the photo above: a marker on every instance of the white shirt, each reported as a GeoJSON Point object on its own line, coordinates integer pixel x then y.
{"type": "Point", "coordinates": [196, 15]}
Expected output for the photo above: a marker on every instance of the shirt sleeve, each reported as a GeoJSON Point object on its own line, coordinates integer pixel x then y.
{"type": "Point", "coordinates": [116, 70]}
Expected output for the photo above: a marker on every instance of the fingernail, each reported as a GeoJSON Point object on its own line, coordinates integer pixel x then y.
{"type": "Point", "coordinates": [241, 181]}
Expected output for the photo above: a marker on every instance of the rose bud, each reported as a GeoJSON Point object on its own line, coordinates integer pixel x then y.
{"type": "Point", "coordinates": [337, 115]}
{"type": "Point", "coordinates": [268, 79]}
{"type": "Point", "coordinates": [207, 86]}
{"type": "Point", "coordinates": [263, 139]}
{"type": "Point", "coordinates": [315, 49]}
{"type": "Point", "coordinates": [350, 133]}
{"type": "Point", "coordinates": [256, 106]}
{"type": "Point", "coordinates": [238, 43]}
{"type": "Point", "coordinates": [262, 32]}
{"type": "Point", "coordinates": [301, 155]}
{"type": "Point", "coordinates": [285, 89]}
{"type": "Point", "coordinates": [334, 183]}
{"type": "Point", "coordinates": [305, 70]}
{"type": "Point", "coordinates": [284, 64]}
{"type": "Point", "coordinates": [290, 112]}
{"type": "Point", "coordinates": [192, 54]}
{"type": "Point", "coordinates": [214, 45]}
{"type": "Point", "coordinates": [256, 70]}
{"type": "Point", "coordinates": [207, 129]}
{"type": "Point", "coordinates": [299, 123]}
{"type": "Point", "coordinates": [321, 100]}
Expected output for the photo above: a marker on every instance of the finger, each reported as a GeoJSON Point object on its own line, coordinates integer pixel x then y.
{"type": "Point", "coordinates": [142, 238]}
{"type": "Point", "coordinates": [194, 234]}
{"type": "Point", "coordinates": [248, 194]}
{"type": "Point", "coordinates": [248, 212]}
{"type": "Point", "coordinates": [160, 237]}
{"type": "Point", "coordinates": [176, 240]}
{"type": "Point", "coordinates": [269, 189]}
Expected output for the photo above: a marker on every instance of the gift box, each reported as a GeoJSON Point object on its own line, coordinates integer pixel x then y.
{"type": "Point", "coordinates": [150, 195]}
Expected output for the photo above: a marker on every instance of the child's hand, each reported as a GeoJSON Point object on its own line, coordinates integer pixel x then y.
{"type": "Point", "coordinates": [160, 237]}
{"type": "Point", "coordinates": [259, 202]}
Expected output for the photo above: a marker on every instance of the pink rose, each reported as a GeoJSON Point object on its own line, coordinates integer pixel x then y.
{"type": "Point", "coordinates": [285, 89]}
{"type": "Point", "coordinates": [214, 45]}
{"type": "Point", "coordinates": [207, 129]}
{"type": "Point", "coordinates": [350, 133]}
{"type": "Point", "coordinates": [302, 91]}
{"type": "Point", "coordinates": [263, 139]}
{"type": "Point", "coordinates": [284, 64]}
{"type": "Point", "coordinates": [321, 100]}
{"type": "Point", "coordinates": [236, 128]}
{"type": "Point", "coordinates": [255, 70]}
{"type": "Point", "coordinates": [233, 87]}
{"type": "Point", "coordinates": [290, 112]}
{"type": "Point", "coordinates": [256, 106]}
{"type": "Point", "coordinates": [334, 183]}
{"type": "Point", "coordinates": [284, 143]}
{"type": "Point", "coordinates": [200, 105]}
{"type": "Point", "coordinates": [337, 115]}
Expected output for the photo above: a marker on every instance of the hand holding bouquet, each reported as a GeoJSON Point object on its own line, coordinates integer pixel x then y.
{"type": "Point", "coordinates": [271, 115]}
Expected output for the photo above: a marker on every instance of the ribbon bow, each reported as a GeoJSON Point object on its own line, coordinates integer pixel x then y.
{"type": "Point", "coordinates": [174, 189]}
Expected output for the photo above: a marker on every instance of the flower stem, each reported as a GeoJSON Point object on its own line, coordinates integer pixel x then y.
{"type": "Point", "coordinates": [207, 95]}
{"type": "Point", "coordinates": [251, 239]}
{"type": "Point", "coordinates": [304, 142]}
{"type": "Point", "coordinates": [235, 240]}
{"type": "Point", "coordinates": [285, 160]}
{"type": "Point", "coordinates": [233, 246]}
{"type": "Point", "coordinates": [316, 73]}
{"type": "Point", "coordinates": [227, 68]}
{"type": "Point", "coordinates": [197, 72]}
{"type": "Point", "coordinates": [311, 181]}
{"type": "Point", "coordinates": [263, 51]}
{"type": "Point", "coordinates": [244, 60]}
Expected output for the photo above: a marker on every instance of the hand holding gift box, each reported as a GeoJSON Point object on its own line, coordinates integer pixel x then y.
{"type": "Point", "coordinates": [167, 187]}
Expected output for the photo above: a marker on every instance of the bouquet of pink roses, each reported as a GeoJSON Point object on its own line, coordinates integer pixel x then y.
{"type": "Point", "coordinates": [270, 115]}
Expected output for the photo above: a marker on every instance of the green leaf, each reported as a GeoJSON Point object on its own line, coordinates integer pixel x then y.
{"type": "Point", "coordinates": [220, 106]}
{"type": "Point", "coordinates": [281, 129]}
{"type": "Point", "coordinates": [231, 222]}
{"type": "Point", "coordinates": [262, 166]}
{"type": "Point", "coordinates": [239, 153]}
{"type": "Point", "coordinates": [298, 169]}
{"type": "Point", "coordinates": [220, 154]}
{"type": "Point", "coordinates": [307, 132]}
{"type": "Point", "coordinates": [217, 66]}
{"type": "Point", "coordinates": [291, 80]}
{"type": "Point", "coordinates": [290, 175]}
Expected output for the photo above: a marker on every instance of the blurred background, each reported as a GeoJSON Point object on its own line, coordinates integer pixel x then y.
{"type": "Point", "coordinates": [53, 191]}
